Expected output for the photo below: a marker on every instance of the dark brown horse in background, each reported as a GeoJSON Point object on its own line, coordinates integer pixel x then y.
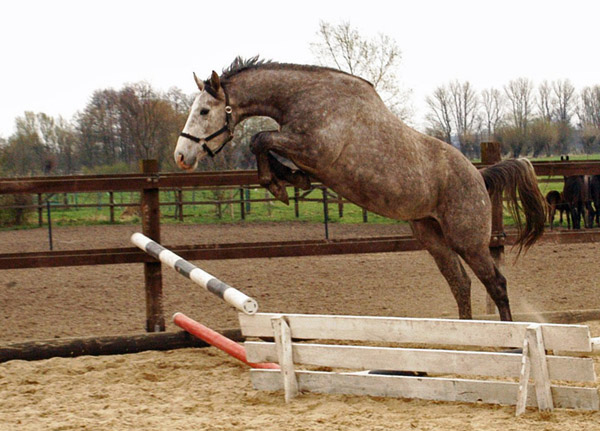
{"type": "Point", "coordinates": [556, 202]}
{"type": "Point", "coordinates": [336, 129]}
{"type": "Point", "coordinates": [575, 196]}
{"type": "Point", "coordinates": [594, 200]}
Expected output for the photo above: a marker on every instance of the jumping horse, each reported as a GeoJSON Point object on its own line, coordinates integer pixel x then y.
{"type": "Point", "coordinates": [336, 129]}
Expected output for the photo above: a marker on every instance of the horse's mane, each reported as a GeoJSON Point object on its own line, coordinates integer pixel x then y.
{"type": "Point", "coordinates": [240, 65]}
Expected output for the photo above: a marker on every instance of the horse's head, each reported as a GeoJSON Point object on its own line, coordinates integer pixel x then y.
{"type": "Point", "coordinates": [207, 128]}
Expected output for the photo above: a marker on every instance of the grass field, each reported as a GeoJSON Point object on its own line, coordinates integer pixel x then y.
{"type": "Point", "coordinates": [96, 210]}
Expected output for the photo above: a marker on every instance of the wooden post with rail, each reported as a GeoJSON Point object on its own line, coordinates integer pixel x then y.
{"type": "Point", "coordinates": [155, 320]}
{"type": "Point", "coordinates": [490, 154]}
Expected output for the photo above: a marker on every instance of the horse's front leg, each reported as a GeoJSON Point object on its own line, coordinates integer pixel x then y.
{"type": "Point", "coordinates": [272, 174]}
{"type": "Point", "coordinates": [267, 178]}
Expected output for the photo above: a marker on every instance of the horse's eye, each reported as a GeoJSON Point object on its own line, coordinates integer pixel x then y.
{"type": "Point", "coordinates": [204, 111]}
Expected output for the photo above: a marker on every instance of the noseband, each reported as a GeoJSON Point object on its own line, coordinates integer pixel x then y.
{"type": "Point", "coordinates": [219, 132]}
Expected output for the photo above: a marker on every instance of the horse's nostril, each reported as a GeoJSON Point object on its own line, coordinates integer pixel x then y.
{"type": "Point", "coordinates": [182, 163]}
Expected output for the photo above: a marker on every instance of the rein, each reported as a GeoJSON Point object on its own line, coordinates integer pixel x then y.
{"type": "Point", "coordinates": [219, 132]}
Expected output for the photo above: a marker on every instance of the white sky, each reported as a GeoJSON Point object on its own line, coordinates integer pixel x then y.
{"type": "Point", "coordinates": [55, 53]}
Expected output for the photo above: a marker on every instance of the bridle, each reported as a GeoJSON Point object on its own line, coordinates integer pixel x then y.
{"type": "Point", "coordinates": [219, 132]}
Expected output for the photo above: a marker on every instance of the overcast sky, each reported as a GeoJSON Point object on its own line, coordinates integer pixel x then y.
{"type": "Point", "coordinates": [56, 53]}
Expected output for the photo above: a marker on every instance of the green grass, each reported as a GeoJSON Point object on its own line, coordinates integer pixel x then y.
{"type": "Point", "coordinates": [196, 213]}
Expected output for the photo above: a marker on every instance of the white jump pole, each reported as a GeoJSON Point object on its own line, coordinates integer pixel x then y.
{"type": "Point", "coordinates": [229, 294]}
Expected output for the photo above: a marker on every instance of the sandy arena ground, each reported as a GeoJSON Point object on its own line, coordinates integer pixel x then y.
{"type": "Point", "coordinates": [192, 389]}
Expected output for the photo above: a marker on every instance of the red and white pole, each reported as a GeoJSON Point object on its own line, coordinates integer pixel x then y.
{"type": "Point", "coordinates": [217, 340]}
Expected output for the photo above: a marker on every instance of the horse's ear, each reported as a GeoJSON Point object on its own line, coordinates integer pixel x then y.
{"type": "Point", "coordinates": [199, 82]}
{"type": "Point", "coordinates": [215, 82]}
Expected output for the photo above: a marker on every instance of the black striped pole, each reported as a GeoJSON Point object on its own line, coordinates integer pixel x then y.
{"type": "Point", "coordinates": [229, 294]}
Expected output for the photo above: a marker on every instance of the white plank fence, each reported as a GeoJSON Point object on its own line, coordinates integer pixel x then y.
{"type": "Point", "coordinates": [463, 359]}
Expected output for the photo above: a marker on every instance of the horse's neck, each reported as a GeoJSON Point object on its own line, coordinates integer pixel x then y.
{"type": "Point", "coordinates": [262, 93]}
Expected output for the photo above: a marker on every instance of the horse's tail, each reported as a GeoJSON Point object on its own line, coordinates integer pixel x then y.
{"type": "Point", "coordinates": [518, 178]}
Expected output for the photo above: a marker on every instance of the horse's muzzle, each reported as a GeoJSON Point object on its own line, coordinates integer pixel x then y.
{"type": "Point", "coordinates": [181, 162]}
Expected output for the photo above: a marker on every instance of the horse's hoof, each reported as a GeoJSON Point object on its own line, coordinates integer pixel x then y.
{"type": "Point", "coordinates": [279, 192]}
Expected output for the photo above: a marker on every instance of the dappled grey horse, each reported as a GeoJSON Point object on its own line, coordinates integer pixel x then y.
{"type": "Point", "coordinates": [336, 129]}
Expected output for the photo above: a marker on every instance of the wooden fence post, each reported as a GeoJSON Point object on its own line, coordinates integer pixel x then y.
{"type": "Point", "coordinates": [491, 154]}
{"type": "Point", "coordinates": [150, 208]}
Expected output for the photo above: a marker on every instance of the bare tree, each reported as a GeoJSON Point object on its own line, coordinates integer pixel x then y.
{"type": "Point", "coordinates": [464, 109]}
{"type": "Point", "coordinates": [147, 121]}
{"type": "Point", "coordinates": [588, 112]}
{"type": "Point", "coordinates": [180, 102]}
{"type": "Point", "coordinates": [440, 113]}
{"type": "Point", "coordinates": [376, 60]}
{"type": "Point", "coordinates": [543, 136]}
{"type": "Point", "coordinates": [66, 140]}
{"type": "Point", "coordinates": [493, 110]}
{"type": "Point", "coordinates": [545, 102]}
{"type": "Point", "coordinates": [555, 105]}
{"type": "Point", "coordinates": [519, 93]}
{"type": "Point", "coordinates": [564, 93]}
{"type": "Point", "coordinates": [100, 130]}
{"type": "Point", "coordinates": [25, 152]}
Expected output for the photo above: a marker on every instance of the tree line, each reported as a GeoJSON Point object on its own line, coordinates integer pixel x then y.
{"type": "Point", "coordinates": [119, 127]}
{"type": "Point", "coordinates": [114, 130]}
{"type": "Point", "coordinates": [552, 118]}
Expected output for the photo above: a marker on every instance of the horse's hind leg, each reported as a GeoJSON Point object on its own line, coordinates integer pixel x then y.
{"type": "Point", "coordinates": [481, 262]}
{"type": "Point", "coordinates": [551, 214]}
{"type": "Point", "coordinates": [429, 234]}
{"type": "Point", "coordinates": [590, 214]}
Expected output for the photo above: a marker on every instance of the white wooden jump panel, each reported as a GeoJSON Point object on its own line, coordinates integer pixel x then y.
{"type": "Point", "coordinates": [447, 367]}
{"type": "Point", "coordinates": [489, 364]}
{"type": "Point", "coordinates": [426, 388]}
{"type": "Point", "coordinates": [574, 338]}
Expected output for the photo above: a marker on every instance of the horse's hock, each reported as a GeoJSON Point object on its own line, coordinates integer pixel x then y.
{"type": "Point", "coordinates": [463, 361]}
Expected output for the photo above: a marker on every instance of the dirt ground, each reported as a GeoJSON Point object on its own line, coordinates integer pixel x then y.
{"type": "Point", "coordinates": [203, 388]}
